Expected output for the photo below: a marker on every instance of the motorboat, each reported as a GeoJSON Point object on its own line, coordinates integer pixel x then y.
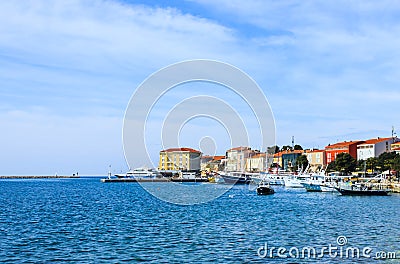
{"type": "Point", "coordinates": [273, 179]}
{"type": "Point", "coordinates": [140, 173]}
{"type": "Point", "coordinates": [295, 181]}
{"type": "Point", "coordinates": [239, 177]}
{"type": "Point", "coordinates": [319, 183]}
{"type": "Point", "coordinates": [362, 189]}
{"type": "Point", "coordinates": [264, 189]}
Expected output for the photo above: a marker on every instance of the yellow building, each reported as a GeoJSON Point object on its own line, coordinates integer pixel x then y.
{"type": "Point", "coordinates": [256, 163]}
{"type": "Point", "coordinates": [175, 159]}
{"type": "Point", "coordinates": [395, 145]}
{"type": "Point", "coordinates": [316, 159]}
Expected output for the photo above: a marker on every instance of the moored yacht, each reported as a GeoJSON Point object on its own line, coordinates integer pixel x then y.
{"type": "Point", "coordinates": [139, 173]}
{"type": "Point", "coordinates": [240, 177]}
{"type": "Point", "coordinates": [319, 183]}
{"type": "Point", "coordinates": [295, 181]}
{"type": "Point", "coordinates": [273, 179]}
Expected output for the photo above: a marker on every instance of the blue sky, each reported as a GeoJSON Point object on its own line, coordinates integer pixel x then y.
{"type": "Point", "coordinates": [330, 70]}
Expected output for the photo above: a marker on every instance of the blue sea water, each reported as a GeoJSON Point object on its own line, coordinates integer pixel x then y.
{"type": "Point", "coordinates": [86, 221]}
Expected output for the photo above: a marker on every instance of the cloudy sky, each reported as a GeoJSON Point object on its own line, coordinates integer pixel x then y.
{"type": "Point", "coordinates": [330, 71]}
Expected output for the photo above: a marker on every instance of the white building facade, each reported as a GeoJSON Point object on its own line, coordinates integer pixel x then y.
{"type": "Point", "coordinates": [372, 148]}
{"type": "Point", "coordinates": [236, 158]}
{"type": "Point", "coordinates": [256, 163]}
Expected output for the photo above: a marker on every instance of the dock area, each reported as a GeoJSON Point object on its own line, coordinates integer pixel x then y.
{"type": "Point", "coordinates": [164, 179]}
{"type": "Point", "coordinates": [394, 187]}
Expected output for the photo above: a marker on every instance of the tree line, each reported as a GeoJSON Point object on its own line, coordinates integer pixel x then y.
{"type": "Point", "coordinates": [346, 164]}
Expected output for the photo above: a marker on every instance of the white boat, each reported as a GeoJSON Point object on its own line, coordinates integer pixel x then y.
{"type": "Point", "coordinates": [295, 181]}
{"type": "Point", "coordinates": [139, 173]}
{"type": "Point", "coordinates": [241, 177]}
{"type": "Point", "coordinates": [318, 182]}
{"type": "Point", "coordinates": [218, 179]}
{"type": "Point", "coordinates": [273, 179]}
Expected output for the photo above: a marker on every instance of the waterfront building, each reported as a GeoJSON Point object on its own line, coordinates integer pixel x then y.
{"type": "Point", "coordinates": [256, 163]}
{"type": "Point", "coordinates": [396, 144]}
{"type": "Point", "coordinates": [286, 159]}
{"type": "Point", "coordinates": [204, 161]}
{"type": "Point", "coordinates": [212, 163]}
{"type": "Point", "coordinates": [316, 159]}
{"type": "Point", "coordinates": [236, 158]}
{"type": "Point", "coordinates": [277, 159]}
{"type": "Point", "coordinates": [289, 158]}
{"type": "Point", "coordinates": [397, 150]}
{"type": "Point", "coordinates": [372, 148]}
{"type": "Point", "coordinates": [175, 159]}
{"type": "Point", "coordinates": [350, 147]}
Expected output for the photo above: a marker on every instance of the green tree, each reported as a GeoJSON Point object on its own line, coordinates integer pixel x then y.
{"type": "Point", "coordinates": [273, 149]}
{"type": "Point", "coordinates": [345, 163]}
{"type": "Point", "coordinates": [331, 167]}
{"type": "Point", "coordinates": [396, 163]}
{"type": "Point", "coordinates": [389, 161]}
{"type": "Point", "coordinates": [297, 147]}
{"type": "Point", "coordinates": [287, 147]}
{"type": "Point", "coordinates": [302, 162]}
{"type": "Point", "coordinates": [371, 163]}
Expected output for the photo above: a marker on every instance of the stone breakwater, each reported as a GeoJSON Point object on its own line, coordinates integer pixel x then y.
{"type": "Point", "coordinates": [37, 177]}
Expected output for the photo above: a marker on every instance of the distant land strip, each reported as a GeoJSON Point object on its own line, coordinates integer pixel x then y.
{"type": "Point", "coordinates": [38, 177]}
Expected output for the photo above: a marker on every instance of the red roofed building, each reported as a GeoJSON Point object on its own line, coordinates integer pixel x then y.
{"type": "Point", "coordinates": [287, 159]}
{"type": "Point", "coordinates": [257, 162]}
{"type": "Point", "coordinates": [212, 163]}
{"type": "Point", "coordinates": [397, 150]}
{"type": "Point", "coordinates": [374, 147]}
{"type": "Point", "coordinates": [175, 159]}
{"type": "Point", "coordinates": [350, 147]}
{"type": "Point", "coordinates": [236, 158]}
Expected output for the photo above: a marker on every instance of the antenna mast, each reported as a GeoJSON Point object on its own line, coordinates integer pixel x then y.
{"type": "Point", "coordinates": [292, 142]}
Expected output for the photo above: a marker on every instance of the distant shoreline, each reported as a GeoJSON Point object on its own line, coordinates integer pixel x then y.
{"type": "Point", "coordinates": [37, 176]}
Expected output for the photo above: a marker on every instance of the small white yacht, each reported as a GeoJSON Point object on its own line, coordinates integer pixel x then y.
{"type": "Point", "coordinates": [139, 173]}
{"type": "Point", "coordinates": [295, 181]}
{"type": "Point", "coordinates": [319, 183]}
{"type": "Point", "coordinates": [273, 179]}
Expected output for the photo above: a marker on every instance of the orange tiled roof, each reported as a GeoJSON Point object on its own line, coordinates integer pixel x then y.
{"type": "Point", "coordinates": [259, 155]}
{"type": "Point", "coordinates": [314, 150]}
{"type": "Point", "coordinates": [287, 152]}
{"type": "Point", "coordinates": [238, 148]}
{"type": "Point", "coordinates": [217, 158]}
{"type": "Point", "coordinates": [343, 144]}
{"type": "Point", "coordinates": [376, 140]}
{"type": "Point", "coordinates": [180, 149]}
